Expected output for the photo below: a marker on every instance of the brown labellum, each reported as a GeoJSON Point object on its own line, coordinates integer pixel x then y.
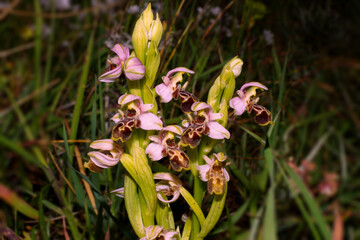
{"type": "Point", "coordinates": [217, 180]}
{"type": "Point", "coordinates": [262, 115]}
{"type": "Point", "coordinates": [110, 66]}
{"type": "Point", "coordinates": [192, 134]}
{"type": "Point", "coordinates": [123, 129]}
{"type": "Point", "coordinates": [93, 167]}
{"type": "Point", "coordinates": [187, 100]}
{"type": "Point", "coordinates": [178, 159]}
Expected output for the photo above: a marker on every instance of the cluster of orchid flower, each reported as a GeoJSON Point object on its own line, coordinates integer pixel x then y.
{"type": "Point", "coordinates": [133, 138]}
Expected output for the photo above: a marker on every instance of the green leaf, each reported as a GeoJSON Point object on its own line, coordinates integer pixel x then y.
{"type": "Point", "coordinates": [212, 218]}
{"type": "Point", "coordinates": [17, 203]}
{"type": "Point", "coordinates": [187, 229]}
{"type": "Point", "coordinates": [132, 205]}
{"type": "Point", "coordinates": [193, 204]}
{"type": "Point", "coordinates": [258, 138]}
{"type": "Point", "coordinates": [270, 216]}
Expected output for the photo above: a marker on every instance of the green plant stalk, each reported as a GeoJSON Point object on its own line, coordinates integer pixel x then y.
{"type": "Point", "coordinates": [135, 87]}
{"type": "Point", "coordinates": [198, 188]}
{"type": "Point", "coordinates": [80, 93]}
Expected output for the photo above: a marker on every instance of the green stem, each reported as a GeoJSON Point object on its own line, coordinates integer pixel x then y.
{"type": "Point", "coordinates": [198, 188]}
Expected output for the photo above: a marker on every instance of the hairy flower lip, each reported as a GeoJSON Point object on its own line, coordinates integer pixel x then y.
{"type": "Point", "coordinates": [214, 173]}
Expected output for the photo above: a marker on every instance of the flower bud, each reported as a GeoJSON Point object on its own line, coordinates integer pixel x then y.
{"type": "Point", "coordinates": [214, 94]}
{"type": "Point", "coordinates": [224, 111]}
{"type": "Point", "coordinates": [153, 62]}
{"type": "Point", "coordinates": [235, 66]}
{"type": "Point", "coordinates": [225, 76]}
{"type": "Point", "coordinates": [229, 89]}
{"type": "Point", "coordinates": [147, 16]}
{"type": "Point", "coordinates": [140, 39]}
{"type": "Point", "coordinates": [134, 70]}
{"type": "Point", "coordinates": [156, 30]}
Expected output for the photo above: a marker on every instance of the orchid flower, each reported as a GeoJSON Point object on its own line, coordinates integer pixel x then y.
{"type": "Point", "coordinates": [164, 145]}
{"type": "Point", "coordinates": [137, 115]}
{"type": "Point", "coordinates": [205, 123]}
{"type": "Point", "coordinates": [158, 232]}
{"type": "Point", "coordinates": [214, 173]}
{"type": "Point", "coordinates": [159, 147]}
{"type": "Point", "coordinates": [108, 155]}
{"type": "Point", "coordinates": [169, 186]}
{"type": "Point", "coordinates": [169, 88]}
{"type": "Point", "coordinates": [216, 130]}
{"type": "Point", "coordinates": [123, 61]}
{"type": "Point", "coordinates": [246, 101]}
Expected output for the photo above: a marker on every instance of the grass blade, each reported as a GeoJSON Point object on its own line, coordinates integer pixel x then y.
{"type": "Point", "coordinates": [311, 203]}
{"type": "Point", "coordinates": [259, 139]}
{"type": "Point", "coordinates": [17, 203]}
{"type": "Point", "coordinates": [80, 93]}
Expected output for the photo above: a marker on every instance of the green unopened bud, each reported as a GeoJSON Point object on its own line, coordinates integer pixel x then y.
{"type": "Point", "coordinates": [229, 89]}
{"type": "Point", "coordinates": [152, 63]}
{"type": "Point", "coordinates": [156, 30]}
{"type": "Point", "coordinates": [214, 94]}
{"type": "Point", "coordinates": [235, 66]}
{"type": "Point", "coordinates": [140, 39]}
{"type": "Point", "coordinates": [225, 76]}
{"type": "Point", "coordinates": [223, 108]}
{"type": "Point", "coordinates": [147, 16]}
